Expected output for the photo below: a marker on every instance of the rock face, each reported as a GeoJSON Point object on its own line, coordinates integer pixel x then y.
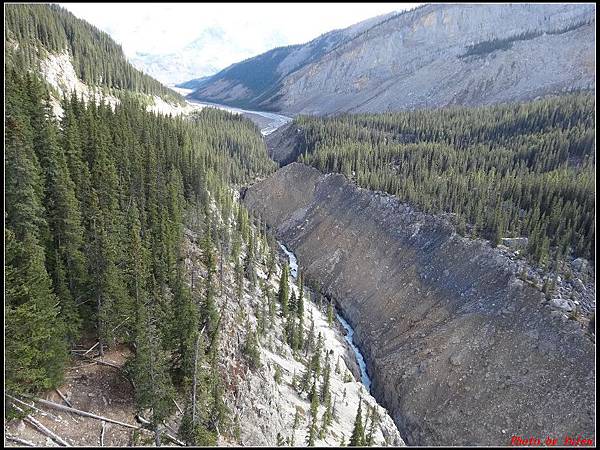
{"type": "Point", "coordinates": [285, 145]}
{"type": "Point", "coordinates": [460, 352]}
{"type": "Point", "coordinates": [419, 59]}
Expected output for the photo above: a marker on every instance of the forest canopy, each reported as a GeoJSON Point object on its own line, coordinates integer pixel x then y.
{"type": "Point", "coordinates": [503, 171]}
{"type": "Point", "coordinates": [97, 59]}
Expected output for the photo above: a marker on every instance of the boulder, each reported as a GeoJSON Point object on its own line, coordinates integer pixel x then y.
{"type": "Point", "coordinates": [518, 243]}
{"type": "Point", "coordinates": [562, 304]}
{"type": "Point", "coordinates": [580, 264]}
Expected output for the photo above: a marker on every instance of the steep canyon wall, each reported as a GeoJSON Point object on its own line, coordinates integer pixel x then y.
{"type": "Point", "coordinates": [459, 349]}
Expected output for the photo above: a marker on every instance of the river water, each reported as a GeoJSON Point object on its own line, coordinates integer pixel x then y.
{"type": "Point", "coordinates": [349, 336]}
{"type": "Point", "coordinates": [292, 259]}
{"type": "Point", "coordinates": [266, 121]}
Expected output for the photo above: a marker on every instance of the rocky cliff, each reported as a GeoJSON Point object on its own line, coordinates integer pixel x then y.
{"type": "Point", "coordinates": [460, 351]}
{"type": "Point", "coordinates": [432, 56]}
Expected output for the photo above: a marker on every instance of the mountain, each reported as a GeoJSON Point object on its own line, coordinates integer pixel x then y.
{"type": "Point", "coordinates": [72, 55]}
{"type": "Point", "coordinates": [432, 56]}
{"type": "Point", "coordinates": [201, 57]}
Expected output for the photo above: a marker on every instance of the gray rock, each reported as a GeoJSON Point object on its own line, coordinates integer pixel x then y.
{"type": "Point", "coordinates": [417, 59]}
{"type": "Point", "coordinates": [580, 264]}
{"type": "Point", "coordinates": [456, 359]}
{"type": "Point", "coordinates": [562, 304]}
{"type": "Point", "coordinates": [515, 243]}
{"type": "Point", "coordinates": [578, 284]}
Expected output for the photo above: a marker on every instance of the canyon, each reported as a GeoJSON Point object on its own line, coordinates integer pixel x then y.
{"type": "Point", "coordinates": [459, 349]}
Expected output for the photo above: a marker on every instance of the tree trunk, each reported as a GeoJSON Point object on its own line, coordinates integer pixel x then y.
{"type": "Point", "coordinates": [81, 413]}
{"type": "Point", "coordinates": [100, 338]}
{"type": "Point", "coordinates": [102, 433]}
{"type": "Point", "coordinates": [157, 435]}
{"type": "Point", "coordinates": [195, 381]}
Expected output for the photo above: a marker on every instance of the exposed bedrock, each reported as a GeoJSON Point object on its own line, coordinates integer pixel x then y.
{"type": "Point", "coordinates": [459, 350]}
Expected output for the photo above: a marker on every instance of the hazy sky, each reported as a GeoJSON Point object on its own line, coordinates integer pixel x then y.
{"type": "Point", "coordinates": [248, 29]}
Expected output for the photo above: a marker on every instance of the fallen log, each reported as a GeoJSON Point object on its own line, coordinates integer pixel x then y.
{"type": "Point", "coordinates": [174, 439]}
{"type": "Point", "coordinates": [178, 407]}
{"type": "Point", "coordinates": [82, 413]}
{"type": "Point", "coordinates": [44, 413]}
{"type": "Point", "coordinates": [91, 348]}
{"type": "Point", "coordinates": [42, 429]}
{"type": "Point", "coordinates": [20, 441]}
{"type": "Point", "coordinates": [64, 398]}
{"type": "Point", "coordinates": [109, 364]}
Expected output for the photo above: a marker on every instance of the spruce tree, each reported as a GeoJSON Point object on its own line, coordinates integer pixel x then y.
{"type": "Point", "coordinates": [209, 311]}
{"type": "Point", "coordinates": [149, 371]}
{"type": "Point", "coordinates": [370, 439]}
{"type": "Point", "coordinates": [35, 349]}
{"type": "Point", "coordinates": [357, 439]}
{"type": "Point", "coordinates": [251, 350]}
{"type": "Point", "coordinates": [283, 294]}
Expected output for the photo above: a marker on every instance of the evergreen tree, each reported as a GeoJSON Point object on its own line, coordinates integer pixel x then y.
{"type": "Point", "coordinates": [35, 349]}
{"type": "Point", "coordinates": [314, 408]}
{"type": "Point", "coordinates": [357, 439]}
{"type": "Point", "coordinates": [209, 311]}
{"type": "Point", "coordinates": [370, 439]}
{"type": "Point", "coordinates": [330, 314]}
{"type": "Point", "coordinates": [149, 372]}
{"type": "Point", "coordinates": [283, 295]}
{"type": "Point", "coordinates": [251, 350]}
{"type": "Point", "coordinates": [194, 429]}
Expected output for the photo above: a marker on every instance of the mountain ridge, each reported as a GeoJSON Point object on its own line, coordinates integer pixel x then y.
{"type": "Point", "coordinates": [417, 59]}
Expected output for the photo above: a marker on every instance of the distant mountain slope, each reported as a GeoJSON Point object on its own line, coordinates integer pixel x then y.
{"type": "Point", "coordinates": [432, 56]}
{"type": "Point", "coordinates": [254, 81]}
{"type": "Point", "coordinates": [202, 57]}
{"type": "Point", "coordinates": [71, 54]}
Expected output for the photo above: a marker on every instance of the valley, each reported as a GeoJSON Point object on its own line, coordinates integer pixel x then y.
{"type": "Point", "coordinates": [268, 122]}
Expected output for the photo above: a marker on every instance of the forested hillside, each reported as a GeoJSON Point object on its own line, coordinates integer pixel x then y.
{"type": "Point", "coordinates": [97, 59]}
{"type": "Point", "coordinates": [511, 170]}
{"type": "Point", "coordinates": [94, 221]}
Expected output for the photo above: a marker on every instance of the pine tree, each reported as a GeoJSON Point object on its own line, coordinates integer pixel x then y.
{"type": "Point", "coordinates": [283, 294]}
{"type": "Point", "coordinates": [194, 428]}
{"type": "Point", "coordinates": [251, 350]}
{"type": "Point", "coordinates": [249, 262]}
{"type": "Point", "coordinates": [325, 393]}
{"type": "Point", "coordinates": [314, 408]}
{"type": "Point", "coordinates": [357, 439]}
{"type": "Point", "coordinates": [330, 314]}
{"type": "Point", "coordinates": [209, 312]}
{"type": "Point", "coordinates": [295, 426]}
{"type": "Point", "coordinates": [370, 439]}
{"type": "Point", "coordinates": [65, 221]}
{"type": "Point", "coordinates": [299, 338]}
{"type": "Point", "coordinates": [270, 263]}
{"type": "Point", "coordinates": [35, 349]}
{"type": "Point", "coordinates": [149, 371]}
{"type": "Point", "coordinates": [108, 287]}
